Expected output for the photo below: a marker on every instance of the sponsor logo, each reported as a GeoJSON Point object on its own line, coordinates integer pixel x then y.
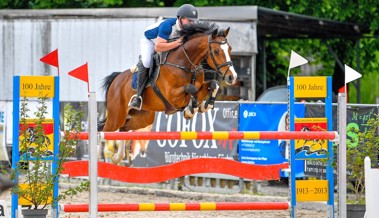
{"type": "Point", "coordinates": [247, 114]}
{"type": "Point", "coordinates": [229, 113]}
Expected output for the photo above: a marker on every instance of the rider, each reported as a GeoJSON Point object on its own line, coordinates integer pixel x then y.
{"type": "Point", "coordinates": [156, 39]}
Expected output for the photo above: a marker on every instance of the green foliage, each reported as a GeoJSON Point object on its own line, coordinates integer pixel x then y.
{"type": "Point", "coordinates": [370, 89]}
{"type": "Point", "coordinates": [366, 145]}
{"type": "Point", "coordinates": [33, 170]}
{"type": "Point", "coordinates": [53, 4]}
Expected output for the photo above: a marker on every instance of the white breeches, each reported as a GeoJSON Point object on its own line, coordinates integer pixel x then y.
{"type": "Point", "coordinates": [147, 50]}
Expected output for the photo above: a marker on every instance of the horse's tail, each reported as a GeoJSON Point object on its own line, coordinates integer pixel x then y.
{"type": "Point", "coordinates": [106, 84]}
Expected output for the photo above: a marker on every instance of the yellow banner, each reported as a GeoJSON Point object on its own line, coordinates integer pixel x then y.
{"type": "Point", "coordinates": [39, 188]}
{"type": "Point", "coordinates": [310, 87]}
{"type": "Point", "coordinates": [37, 86]}
{"type": "Point", "coordinates": [312, 190]}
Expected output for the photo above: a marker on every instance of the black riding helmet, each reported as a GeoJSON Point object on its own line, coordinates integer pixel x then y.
{"type": "Point", "coordinates": [188, 11]}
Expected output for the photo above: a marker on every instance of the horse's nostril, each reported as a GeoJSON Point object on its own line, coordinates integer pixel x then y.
{"type": "Point", "coordinates": [230, 78]}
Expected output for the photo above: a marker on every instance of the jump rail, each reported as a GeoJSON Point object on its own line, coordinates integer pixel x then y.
{"type": "Point", "coordinates": [179, 206]}
{"type": "Point", "coordinates": [224, 135]}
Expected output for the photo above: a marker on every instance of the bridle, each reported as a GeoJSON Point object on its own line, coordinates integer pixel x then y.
{"type": "Point", "coordinates": [198, 68]}
{"type": "Point", "coordinates": [218, 66]}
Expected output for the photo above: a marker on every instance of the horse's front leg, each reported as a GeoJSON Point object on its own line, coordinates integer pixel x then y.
{"type": "Point", "coordinates": [193, 106]}
{"type": "Point", "coordinates": [210, 88]}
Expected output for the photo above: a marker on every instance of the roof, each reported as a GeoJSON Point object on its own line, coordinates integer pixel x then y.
{"type": "Point", "coordinates": [271, 23]}
{"type": "Point", "coordinates": [279, 24]}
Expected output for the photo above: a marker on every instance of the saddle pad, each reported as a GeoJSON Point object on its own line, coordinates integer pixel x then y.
{"type": "Point", "coordinates": [134, 81]}
{"type": "Point", "coordinates": [153, 74]}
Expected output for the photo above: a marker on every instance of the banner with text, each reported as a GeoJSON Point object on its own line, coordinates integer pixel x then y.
{"type": "Point", "coordinates": [224, 117]}
{"type": "Point", "coordinates": [357, 118]}
{"type": "Point", "coordinates": [266, 117]}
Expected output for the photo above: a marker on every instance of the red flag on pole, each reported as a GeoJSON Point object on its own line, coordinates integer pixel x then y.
{"type": "Point", "coordinates": [81, 73]}
{"type": "Point", "coordinates": [51, 58]}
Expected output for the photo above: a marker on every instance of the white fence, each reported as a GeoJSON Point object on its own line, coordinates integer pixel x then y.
{"type": "Point", "coordinates": [372, 189]}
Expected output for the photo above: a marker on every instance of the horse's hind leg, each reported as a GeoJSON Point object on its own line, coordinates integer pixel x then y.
{"type": "Point", "coordinates": [210, 88]}
{"type": "Point", "coordinates": [116, 117]}
{"type": "Point", "coordinates": [193, 106]}
{"type": "Point", "coordinates": [138, 120]}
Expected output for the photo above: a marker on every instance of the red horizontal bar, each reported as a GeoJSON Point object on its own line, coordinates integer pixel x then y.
{"type": "Point", "coordinates": [176, 170]}
{"type": "Point", "coordinates": [252, 206]}
{"type": "Point", "coordinates": [188, 206]}
{"type": "Point", "coordinates": [298, 135]}
{"type": "Point", "coordinates": [264, 135]}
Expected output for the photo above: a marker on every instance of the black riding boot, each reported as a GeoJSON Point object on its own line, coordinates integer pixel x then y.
{"type": "Point", "coordinates": [141, 83]}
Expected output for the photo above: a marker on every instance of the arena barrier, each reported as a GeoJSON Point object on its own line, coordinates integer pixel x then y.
{"type": "Point", "coordinates": [176, 170]}
{"type": "Point", "coordinates": [179, 206]}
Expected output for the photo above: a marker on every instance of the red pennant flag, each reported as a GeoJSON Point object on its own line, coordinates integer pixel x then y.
{"type": "Point", "coordinates": [80, 72]}
{"type": "Point", "coordinates": [51, 58]}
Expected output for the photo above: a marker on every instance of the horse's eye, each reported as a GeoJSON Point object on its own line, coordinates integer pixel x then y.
{"type": "Point", "coordinates": [216, 52]}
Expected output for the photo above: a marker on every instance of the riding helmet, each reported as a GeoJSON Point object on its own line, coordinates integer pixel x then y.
{"type": "Point", "coordinates": [188, 11]}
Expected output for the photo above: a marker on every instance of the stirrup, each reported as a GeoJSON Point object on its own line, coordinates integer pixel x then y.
{"type": "Point", "coordinates": [132, 98]}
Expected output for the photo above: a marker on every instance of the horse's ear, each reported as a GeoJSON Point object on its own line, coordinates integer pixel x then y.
{"type": "Point", "coordinates": [226, 32]}
{"type": "Point", "coordinates": [215, 32]}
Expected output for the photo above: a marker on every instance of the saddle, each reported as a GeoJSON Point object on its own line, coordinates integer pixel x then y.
{"type": "Point", "coordinates": [154, 71]}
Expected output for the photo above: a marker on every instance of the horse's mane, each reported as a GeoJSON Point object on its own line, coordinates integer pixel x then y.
{"type": "Point", "coordinates": [201, 27]}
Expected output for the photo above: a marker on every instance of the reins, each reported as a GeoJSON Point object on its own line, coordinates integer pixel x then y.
{"type": "Point", "coordinates": [195, 71]}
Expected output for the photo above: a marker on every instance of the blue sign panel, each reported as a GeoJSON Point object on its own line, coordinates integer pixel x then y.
{"type": "Point", "coordinates": [267, 117]}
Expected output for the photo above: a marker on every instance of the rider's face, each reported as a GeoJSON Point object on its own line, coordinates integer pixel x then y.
{"type": "Point", "coordinates": [186, 21]}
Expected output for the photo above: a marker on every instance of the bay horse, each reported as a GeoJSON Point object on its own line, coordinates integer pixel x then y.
{"type": "Point", "coordinates": [180, 83]}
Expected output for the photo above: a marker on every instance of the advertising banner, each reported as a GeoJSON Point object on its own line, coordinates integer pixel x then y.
{"type": "Point", "coordinates": [357, 118]}
{"type": "Point", "coordinates": [224, 117]}
{"type": "Point", "coordinates": [266, 117]}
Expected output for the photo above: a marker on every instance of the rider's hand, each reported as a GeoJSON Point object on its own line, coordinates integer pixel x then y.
{"type": "Point", "coordinates": [179, 41]}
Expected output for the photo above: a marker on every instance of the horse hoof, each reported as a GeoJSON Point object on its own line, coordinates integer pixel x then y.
{"type": "Point", "coordinates": [116, 159]}
{"type": "Point", "coordinates": [205, 107]}
{"type": "Point", "coordinates": [187, 116]}
{"type": "Point", "coordinates": [190, 112]}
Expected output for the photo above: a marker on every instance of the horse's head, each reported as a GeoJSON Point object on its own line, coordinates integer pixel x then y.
{"type": "Point", "coordinates": [219, 57]}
